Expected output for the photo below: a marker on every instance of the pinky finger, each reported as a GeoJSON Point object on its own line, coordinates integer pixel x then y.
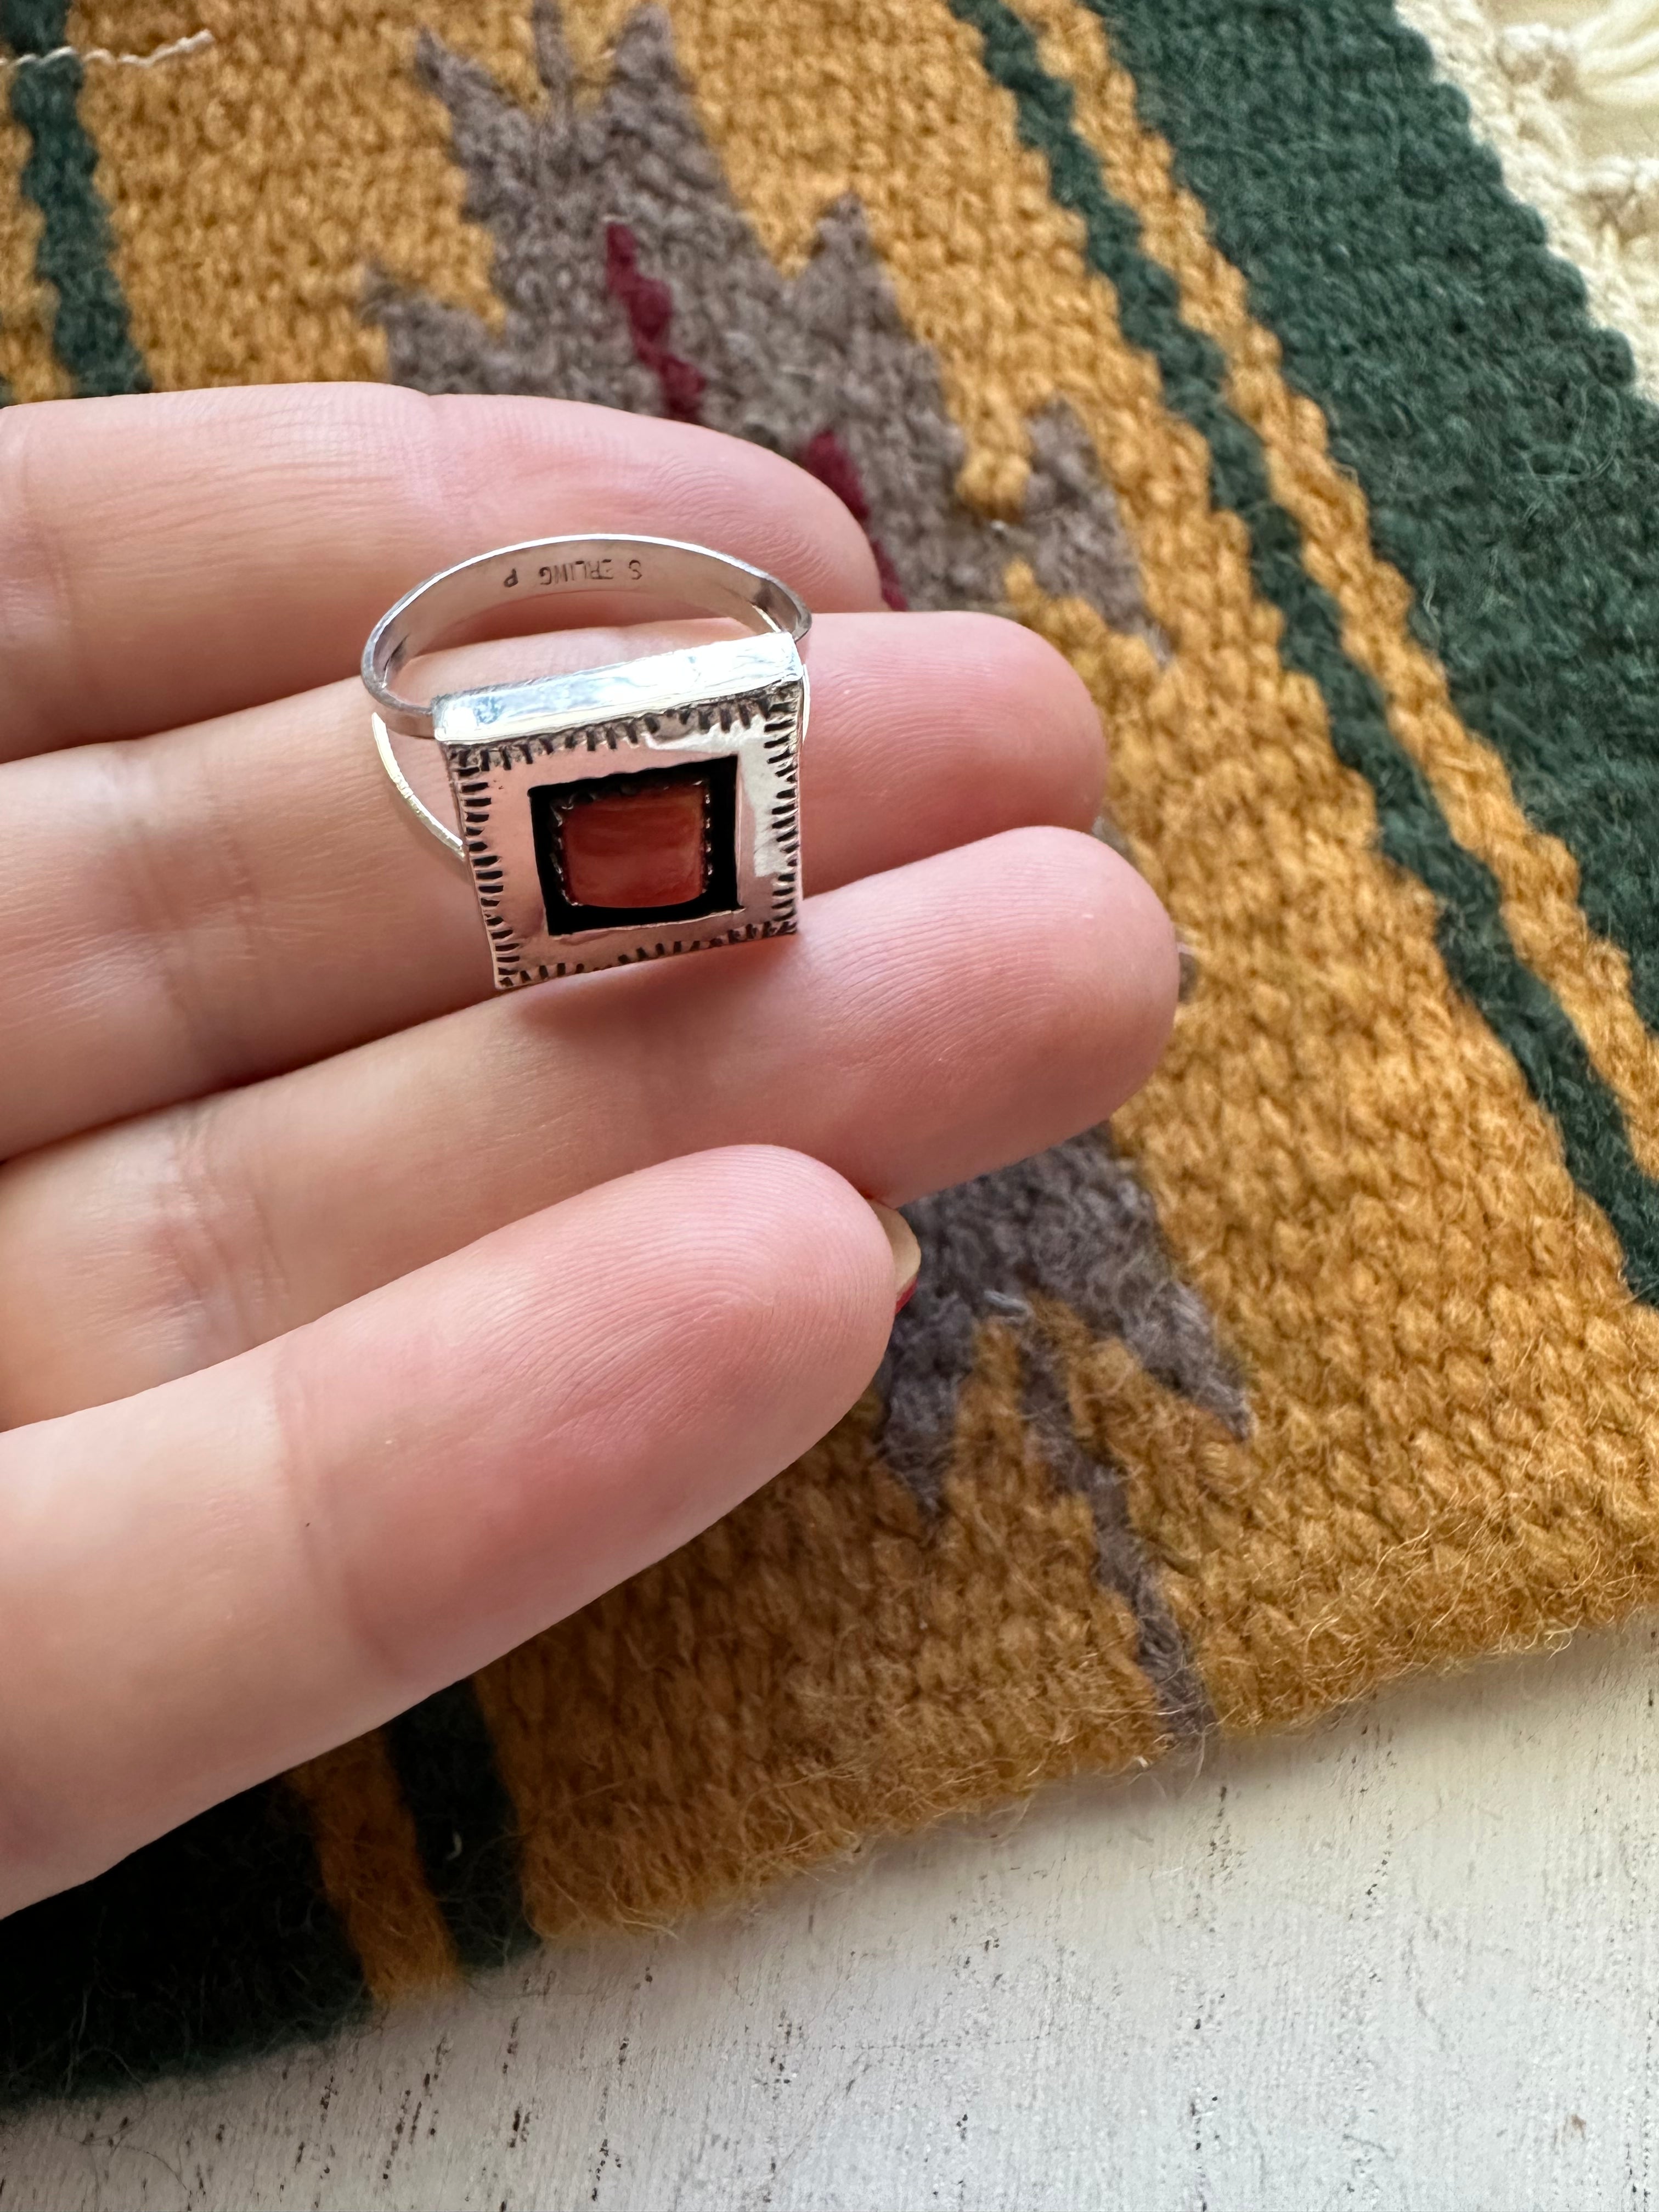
{"type": "Point", "coordinates": [204, 1584]}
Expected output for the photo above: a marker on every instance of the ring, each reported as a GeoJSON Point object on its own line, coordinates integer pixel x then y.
{"type": "Point", "coordinates": [620, 813]}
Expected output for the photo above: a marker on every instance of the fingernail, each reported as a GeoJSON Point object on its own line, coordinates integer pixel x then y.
{"type": "Point", "coordinates": [1188, 959]}
{"type": "Point", "coordinates": [907, 1253]}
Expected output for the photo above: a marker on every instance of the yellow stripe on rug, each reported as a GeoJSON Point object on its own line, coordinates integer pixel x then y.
{"type": "Point", "coordinates": [242, 253]}
{"type": "Point", "coordinates": [28, 366]}
{"type": "Point", "coordinates": [370, 1865]}
{"type": "Point", "coordinates": [1537, 875]}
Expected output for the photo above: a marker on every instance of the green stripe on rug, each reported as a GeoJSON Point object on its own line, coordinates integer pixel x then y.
{"type": "Point", "coordinates": [91, 335]}
{"type": "Point", "coordinates": [465, 1827]}
{"type": "Point", "coordinates": [1413, 831]}
{"type": "Point", "coordinates": [216, 1941]}
{"type": "Point", "coordinates": [1512, 470]}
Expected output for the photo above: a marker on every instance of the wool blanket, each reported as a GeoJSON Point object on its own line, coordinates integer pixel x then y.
{"type": "Point", "coordinates": [1289, 364]}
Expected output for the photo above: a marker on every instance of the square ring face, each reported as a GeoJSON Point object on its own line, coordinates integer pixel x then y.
{"type": "Point", "coordinates": [624, 813]}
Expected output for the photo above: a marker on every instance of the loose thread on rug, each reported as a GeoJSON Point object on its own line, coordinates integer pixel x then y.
{"type": "Point", "coordinates": [175, 49]}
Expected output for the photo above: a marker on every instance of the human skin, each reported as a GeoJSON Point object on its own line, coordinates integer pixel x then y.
{"type": "Point", "coordinates": [356, 1323]}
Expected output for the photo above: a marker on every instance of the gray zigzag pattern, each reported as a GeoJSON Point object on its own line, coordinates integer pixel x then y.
{"type": "Point", "coordinates": [781, 360]}
{"type": "Point", "coordinates": [1075, 1224]}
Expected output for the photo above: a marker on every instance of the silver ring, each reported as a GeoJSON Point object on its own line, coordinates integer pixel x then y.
{"type": "Point", "coordinates": [620, 813]}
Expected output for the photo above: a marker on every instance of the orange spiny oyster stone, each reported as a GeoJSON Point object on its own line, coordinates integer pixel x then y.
{"type": "Point", "coordinates": [636, 848]}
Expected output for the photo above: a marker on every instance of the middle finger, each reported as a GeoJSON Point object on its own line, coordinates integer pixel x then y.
{"type": "Point", "coordinates": [183, 913]}
{"type": "Point", "coordinates": [926, 1026]}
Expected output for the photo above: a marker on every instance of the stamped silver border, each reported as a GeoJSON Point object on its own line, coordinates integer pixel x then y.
{"type": "Point", "coordinates": [745, 698]}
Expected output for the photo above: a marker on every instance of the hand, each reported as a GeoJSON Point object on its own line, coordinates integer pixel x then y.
{"type": "Point", "coordinates": [356, 1323]}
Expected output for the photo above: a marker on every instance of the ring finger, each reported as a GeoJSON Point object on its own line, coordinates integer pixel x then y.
{"type": "Point", "coordinates": [186, 912]}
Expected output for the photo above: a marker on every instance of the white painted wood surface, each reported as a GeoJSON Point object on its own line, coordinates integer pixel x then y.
{"type": "Point", "coordinates": [1409, 1960]}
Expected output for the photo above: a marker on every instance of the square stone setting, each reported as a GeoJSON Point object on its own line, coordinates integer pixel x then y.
{"type": "Point", "coordinates": [637, 849]}
{"type": "Point", "coordinates": [668, 825]}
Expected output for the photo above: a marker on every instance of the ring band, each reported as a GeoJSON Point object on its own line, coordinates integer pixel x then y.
{"type": "Point", "coordinates": [619, 813]}
{"type": "Point", "coordinates": [713, 583]}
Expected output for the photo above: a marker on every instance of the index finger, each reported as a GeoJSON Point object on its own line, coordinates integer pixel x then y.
{"type": "Point", "coordinates": [172, 556]}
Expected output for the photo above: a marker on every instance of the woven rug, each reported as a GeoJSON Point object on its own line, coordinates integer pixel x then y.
{"type": "Point", "coordinates": [1289, 363]}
